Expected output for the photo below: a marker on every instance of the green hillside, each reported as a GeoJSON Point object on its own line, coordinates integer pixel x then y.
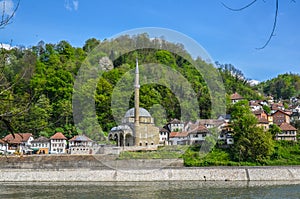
{"type": "Point", "coordinates": [283, 86]}
{"type": "Point", "coordinates": [37, 84]}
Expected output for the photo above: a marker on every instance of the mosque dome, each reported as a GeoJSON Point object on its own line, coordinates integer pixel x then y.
{"type": "Point", "coordinates": [143, 113]}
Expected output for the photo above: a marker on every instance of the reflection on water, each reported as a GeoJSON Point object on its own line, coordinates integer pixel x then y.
{"type": "Point", "coordinates": [153, 190]}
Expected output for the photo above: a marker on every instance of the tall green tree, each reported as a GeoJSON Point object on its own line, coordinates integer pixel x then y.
{"type": "Point", "coordinates": [251, 143]}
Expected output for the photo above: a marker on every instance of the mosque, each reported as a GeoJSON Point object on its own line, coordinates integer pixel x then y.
{"type": "Point", "coordinates": [137, 127]}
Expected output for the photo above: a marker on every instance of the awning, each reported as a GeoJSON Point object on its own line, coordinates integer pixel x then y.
{"type": "Point", "coordinates": [33, 149]}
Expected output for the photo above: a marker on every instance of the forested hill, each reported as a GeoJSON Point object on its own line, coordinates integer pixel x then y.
{"type": "Point", "coordinates": [283, 86]}
{"type": "Point", "coordinates": [36, 84]}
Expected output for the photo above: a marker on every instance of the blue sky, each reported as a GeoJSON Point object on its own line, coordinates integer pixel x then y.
{"type": "Point", "coordinates": [229, 37]}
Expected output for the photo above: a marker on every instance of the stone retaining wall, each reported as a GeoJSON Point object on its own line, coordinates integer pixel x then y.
{"type": "Point", "coordinates": [168, 174]}
{"type": "Point", "coordinates": [92, 168]}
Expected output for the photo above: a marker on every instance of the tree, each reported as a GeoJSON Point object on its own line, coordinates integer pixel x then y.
{"type": "Point", "coordinates": [16, 69]}
{"type": "Point", "coordinates": [90, 44]}
{"type": "Point", "coordinates": [37, 118]}
{"type": "Point", "coordinates": [12, 103]}
{"type": "Point", "coordinates": [284, 86]}
{"type": "Point", "coordinates": [267, 109]}
{"type": "Point", "coordinates": [274, 129]}
{"type": "Point", "coordinates": [251, 143]}
{"type": "Point", "coordinates": [235, 81]}
{"type": "Point", "coordinates": [7, 17]}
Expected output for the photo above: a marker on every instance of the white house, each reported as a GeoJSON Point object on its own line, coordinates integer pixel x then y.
{"type": "Point", "coordinates": [2, 146]}
{"type": "Point", "coordinates": [178, 138]}
{"type": "Point", "coordinates": [41, 145]}
{"type": "Point", "coordinates": [175, 125]}
{"type": "Point", "coordinates": [211, 123]}
{"type": "Point", "coordinates": [80, 141]}
{"type": "Point", "coordinates": [20, 142]}
{"type": "Point", "coordinates": [58, 143]}
{"type": "Point", "coordinates": [81, 144]}
{"type": "Point", "coordinates": [235, 97]}
{"type": "Point", "coordinates": [255, 106]}
{"type": "Point", "coordinates": [197, 134]}
{"type": "Point", "coordinates": [288, 132]}
{"type": "Point", "coordinates": [163, 136]}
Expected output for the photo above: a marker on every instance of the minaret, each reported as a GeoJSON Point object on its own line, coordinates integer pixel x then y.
{"type": "Point", "coordinates": [136, 102]}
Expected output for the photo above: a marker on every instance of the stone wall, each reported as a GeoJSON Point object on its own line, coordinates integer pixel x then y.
{"type": "Point", "coordinates": [107, 168]}
{"type": "Point", "coordinates": [169, 174]}
{"type": "Point", "coordinates": [93, 162]}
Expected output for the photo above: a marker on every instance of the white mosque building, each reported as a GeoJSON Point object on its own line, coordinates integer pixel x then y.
{"type": "Point", "coordinates": [137, 128]}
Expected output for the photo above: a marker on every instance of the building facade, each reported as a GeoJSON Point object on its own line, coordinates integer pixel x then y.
{"type": "Point", "coordinates": [41, 145]}
{"type": "Point", "coordinates": [58, 143]}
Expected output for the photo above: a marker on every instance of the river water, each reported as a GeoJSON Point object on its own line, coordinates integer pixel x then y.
{"type": "Point", "coordinates": [152, 190]}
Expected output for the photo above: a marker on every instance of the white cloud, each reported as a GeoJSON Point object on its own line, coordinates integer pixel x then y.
{"type": "Point", "coordinates": [75, 4]}
{"type": "Point", "coordinates": [7, 6]}
{"type": "Point", "coordinates": [5, 46]}
{"type": "Point", "coordinates": [71, 5]}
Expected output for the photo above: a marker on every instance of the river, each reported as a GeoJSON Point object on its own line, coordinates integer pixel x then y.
{"type": "Point", "coordinates": [152, 190]}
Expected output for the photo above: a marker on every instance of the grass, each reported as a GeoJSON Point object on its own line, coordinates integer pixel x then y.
{"type": "Point", "coordinates": [166, 152]}
{"type": "Point", "coordinates": [285, 153]}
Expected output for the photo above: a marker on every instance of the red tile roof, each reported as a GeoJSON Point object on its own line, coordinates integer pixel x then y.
{"type": "Point", "coordinates": [287, 127]}
{"type": "Point", "coordinates": [58, 136]}
{"type": "Point", "coordinates": [277, 106]}
{"type": "Point", "coordinates": [280, 111]}
{"type": "Point", "coordinates": [178, 134]}
{"type": "Point", "coordinates": [198, 128]}
{"type": "Point", "coordinates": [236, 96]}
{"type": "Point", "coordinates": [17, 138]}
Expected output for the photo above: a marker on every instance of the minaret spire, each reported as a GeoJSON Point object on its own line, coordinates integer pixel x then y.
{"type": "Point", "coordinates": [137, 96]}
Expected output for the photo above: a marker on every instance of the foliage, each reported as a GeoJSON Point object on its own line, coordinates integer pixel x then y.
{"type": "Point", "coordinates": [284, 153]}
{"type": "Point", "coordinates": [37, 84]}
{"type": "Point", "coordinates": [267, 109]}
{"type": "Point", "coordinates": [235, 81]}
{"type": "Point", "coordinates": [284, 86]}
{"type": "Point", "coordinates": [16, 69]}
{"type": "Point", "coordinates": [274, 129]}
{"type": "Point", "coordinates": [251, 143]}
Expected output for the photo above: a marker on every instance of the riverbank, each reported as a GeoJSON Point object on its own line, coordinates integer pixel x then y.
{"type": "Point", "coordinates": [99, 168]}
